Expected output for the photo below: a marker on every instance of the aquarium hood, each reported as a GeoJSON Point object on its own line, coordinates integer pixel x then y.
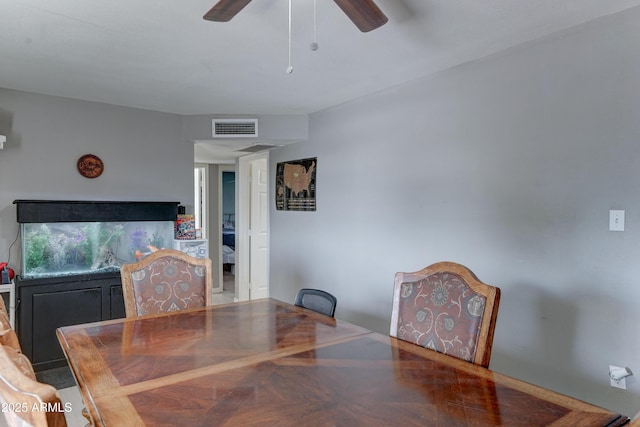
{"type": "Point", "coordinates": [41, 211]}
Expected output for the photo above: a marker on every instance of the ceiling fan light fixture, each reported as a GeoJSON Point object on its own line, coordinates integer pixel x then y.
{"type": "Point", "coordinates": [225, 10]}
{"type": "Point", "coordinates": [314, 45]}
{"type": "Point", "coordinates": [365, 14]}
{"type": "Point", "coordinates": [290, 67]}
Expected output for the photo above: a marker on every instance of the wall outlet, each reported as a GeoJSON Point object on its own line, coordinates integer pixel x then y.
{"type": "Point", "coordinates": [621, 383]}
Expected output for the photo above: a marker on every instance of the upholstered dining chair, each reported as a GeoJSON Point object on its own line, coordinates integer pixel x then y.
{"type": "Point", "coordinates": [24, 393]}
{"type": "Point", "coordinates": [166, 280]}
{"type": "Point", "coordinates": [446, 308]}
{"type": "Point", "coordinates": [3, 306]}
{"type": "Point", "coordinates": [317, 300]}
{"type": "Point", "coordinates": [8, 336]}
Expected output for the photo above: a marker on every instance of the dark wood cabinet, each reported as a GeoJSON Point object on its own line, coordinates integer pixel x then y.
{"type": "Point", "coordinates": [45, 304]}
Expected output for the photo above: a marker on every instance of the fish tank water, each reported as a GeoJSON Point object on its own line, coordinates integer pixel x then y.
{"type": "Point", "coordinates": [61, 249]}
{"type": "Point", "coordinates": [69, 238]}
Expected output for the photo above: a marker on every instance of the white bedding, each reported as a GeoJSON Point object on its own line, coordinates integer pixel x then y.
{"type": "Point", "coordinates": [228, 255]}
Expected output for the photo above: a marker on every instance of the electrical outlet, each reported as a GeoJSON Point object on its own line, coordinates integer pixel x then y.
{"type": "Point", "coordinates": [621, 383]}
{"type": "Point", "coordinates": [616, 220]}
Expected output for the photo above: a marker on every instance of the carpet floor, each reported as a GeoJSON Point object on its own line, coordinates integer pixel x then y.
{"type": "Point", "coordinates": [58, 377]}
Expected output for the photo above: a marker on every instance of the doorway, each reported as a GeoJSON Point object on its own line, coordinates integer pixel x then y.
{"type": "Point", "coordinates": [246, 269]}
{"type": "Point", "coordinates": [214, 214]}
{"type": "Point", "coordinates": [227, 265]}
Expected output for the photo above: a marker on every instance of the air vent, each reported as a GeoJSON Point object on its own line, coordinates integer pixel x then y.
{"type": "Point", "coordinates": [256, 148]}
{"type": "Point", "coordinates": [235, 128]}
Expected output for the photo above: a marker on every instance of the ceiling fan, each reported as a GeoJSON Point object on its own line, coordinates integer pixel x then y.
{"type": "Point", "coordinates": [364, 13]}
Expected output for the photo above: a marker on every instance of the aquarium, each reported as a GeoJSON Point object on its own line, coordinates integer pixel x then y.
{"type": "Point", "coordinates": [60, 249]}
{"type": "Point", "coordinates": [69, 238]}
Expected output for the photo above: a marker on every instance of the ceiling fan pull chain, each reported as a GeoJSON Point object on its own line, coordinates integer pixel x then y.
{"type": "Point", "coordinates": [290, 67]}
{"type": "Point", "coordinates": [314, 45]}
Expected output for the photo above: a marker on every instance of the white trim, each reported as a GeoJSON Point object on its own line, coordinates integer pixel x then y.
{"type": "Point", "coordinates": [204, 184]}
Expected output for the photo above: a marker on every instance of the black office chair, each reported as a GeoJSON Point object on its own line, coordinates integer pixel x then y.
{"type": "Point", "coordinates": [316, 300]}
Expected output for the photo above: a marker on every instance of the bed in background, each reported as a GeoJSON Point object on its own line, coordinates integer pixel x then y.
{"type": "Point", "coordinates": [229, 243]}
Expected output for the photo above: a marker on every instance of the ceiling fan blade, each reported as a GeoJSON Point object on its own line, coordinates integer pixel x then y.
{"type": "Point", "coordinates": [364, 13]}
{"type": "Point", "coordinates": [224, 10]}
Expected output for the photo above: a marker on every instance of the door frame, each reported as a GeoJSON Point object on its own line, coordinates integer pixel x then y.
{"type": "Point", "coordinates": [243, 205]}
{"type": "Point", "coordinates": [202, 188]}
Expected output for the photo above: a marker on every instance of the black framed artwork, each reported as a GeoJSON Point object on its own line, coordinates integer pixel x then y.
{"type": "Point", "coordinates": [296, 185]}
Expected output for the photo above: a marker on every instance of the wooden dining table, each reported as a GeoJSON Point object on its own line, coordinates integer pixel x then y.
{"type": "Point", "coordinates": [266, 362]}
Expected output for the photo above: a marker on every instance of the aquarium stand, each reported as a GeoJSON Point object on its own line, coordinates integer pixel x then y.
{"type": "Point", "coordinates": [45, 304]}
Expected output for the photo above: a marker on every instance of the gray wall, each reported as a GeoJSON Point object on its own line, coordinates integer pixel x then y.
{"type": "Point", "coordinates": [510, 166]}
{"type": "Point", "coordinates": [145, 155]}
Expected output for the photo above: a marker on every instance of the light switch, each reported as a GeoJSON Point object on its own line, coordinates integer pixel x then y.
{"type": "Point", "coordinates": [616, 220]}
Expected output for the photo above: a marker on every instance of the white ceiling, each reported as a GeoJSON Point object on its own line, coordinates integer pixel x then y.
{"type": "Point", "coordinates": [161, 55]}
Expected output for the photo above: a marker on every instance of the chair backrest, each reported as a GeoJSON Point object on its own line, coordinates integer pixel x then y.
{"type": "Point", "coordinates": [446, 308]}
{"type": "Point", "coordinates": [34, 403]}
{"type": "Point", "coordinates": [166, 280]}
{"type": "Point", "coordinates": [3, 306]}
{"type": "Point", "coordinates": [9, 342]}
{"type": "Point", "coordinates": [8, 336]}
{"type": "Point", "coordinates": [316, 300]}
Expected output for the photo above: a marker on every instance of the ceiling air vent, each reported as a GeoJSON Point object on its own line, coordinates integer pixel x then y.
{"type": "Point", "coordinates": [257, 148]}
{"type": "Point", "coordinates": [235, 128]}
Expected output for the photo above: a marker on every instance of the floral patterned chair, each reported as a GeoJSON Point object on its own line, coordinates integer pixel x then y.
{"type": "Point", "coordinates": [20, 393]}
{"type": "Point", "coordinates": [166, 280]}
{"type": "Point", "coordinates": [446, 308]}
{"type": "Point", "coordinates": [19, 388]}
{"type": "Point", "coordinates": [8, 337]}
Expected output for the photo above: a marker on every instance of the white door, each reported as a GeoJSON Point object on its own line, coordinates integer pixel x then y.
{"type": "Point", "coordinates": [259, 230]}
{"type": "Point", "coordinates": [252, 227]}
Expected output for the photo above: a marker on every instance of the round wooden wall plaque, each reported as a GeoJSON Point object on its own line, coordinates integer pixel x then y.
{"type": "Point", "coordinates": [90, 166]}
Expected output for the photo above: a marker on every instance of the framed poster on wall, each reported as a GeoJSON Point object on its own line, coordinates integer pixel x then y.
{"type": "Point", "coordinates": [296, 185]}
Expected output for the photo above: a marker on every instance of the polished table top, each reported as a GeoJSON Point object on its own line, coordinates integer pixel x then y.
{"type": "Point", "coordinates": [266, 362]}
